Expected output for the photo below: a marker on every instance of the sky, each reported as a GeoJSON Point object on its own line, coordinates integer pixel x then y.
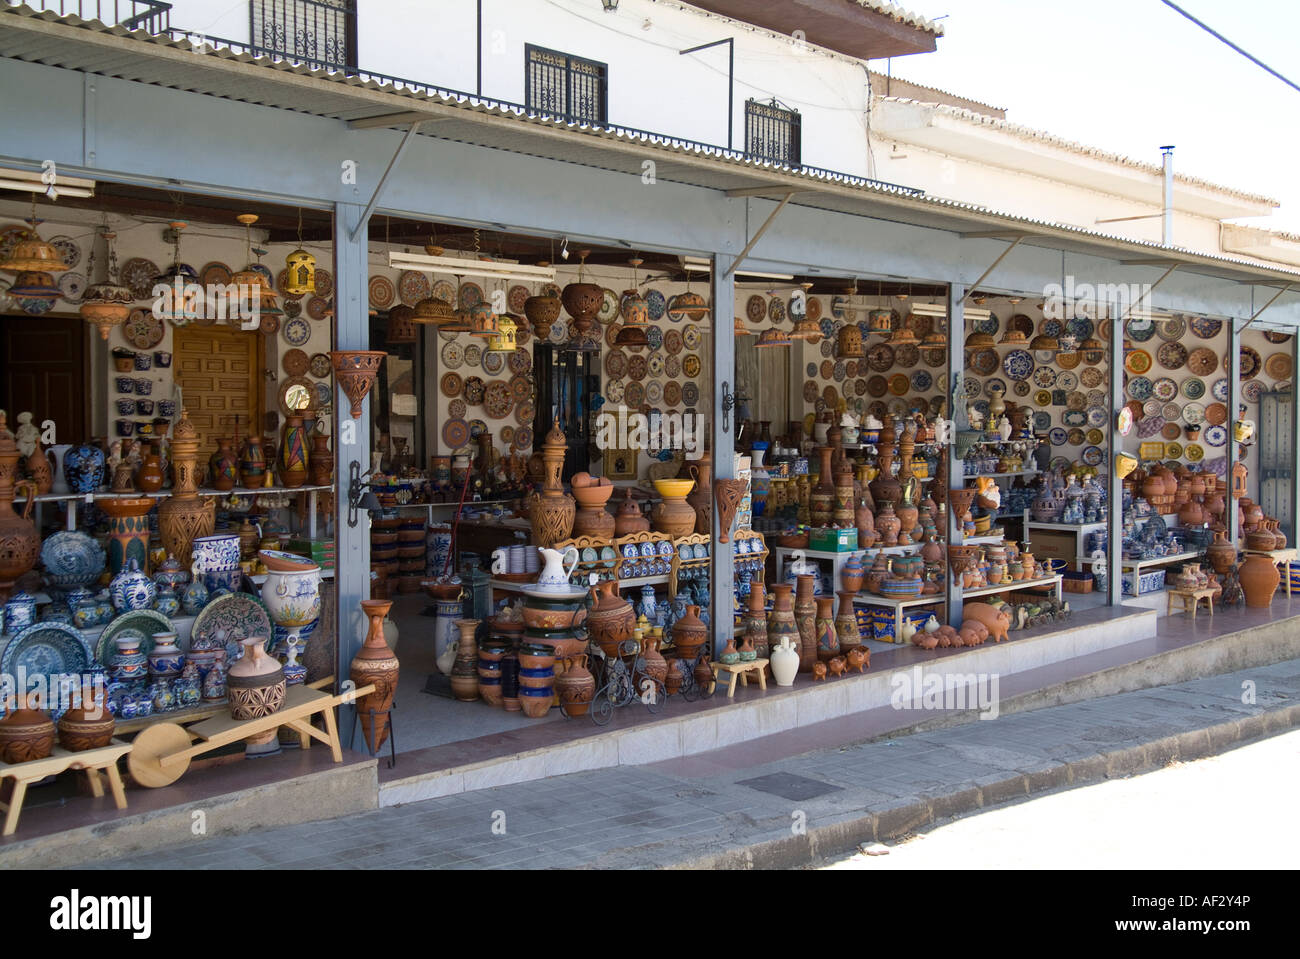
{"type": "Point", "coordinates": [1132, 75]}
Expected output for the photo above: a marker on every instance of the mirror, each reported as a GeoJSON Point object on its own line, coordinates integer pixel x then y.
{"type": "Point", "coordinates": [297, 393]}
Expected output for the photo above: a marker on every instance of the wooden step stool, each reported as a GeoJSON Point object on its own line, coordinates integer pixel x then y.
{"type": "Point", "coordinates": [1194, 596]}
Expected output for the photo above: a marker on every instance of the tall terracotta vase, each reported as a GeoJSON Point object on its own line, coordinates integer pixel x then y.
{"type": "Point", "coordinates": [321, 464]}
{"type": "Point", "coordinates": [464, 671]}
{"type": "Point", "coordinates": [846, 623]}
{"type": "Point", "coordinates": [356, 371]}
{"type": "Point", "coordinates": [224, 465]}
{"type": "Point", "coordinates": [701, 497]}
{"type": "Point", "coordinates": [375, 663]}
{"type": "Point", "coordinates": [293, 452]}
{"type": "Point", "coordinates": [821, 502]}
{"type": "Point", "coordinates": [754, 621]}
{"type": "Point", "coordinates": [20, 543]}
{"type": "Point", "coordinates": [805, 617]}
{"type": "Point", "coordinates": [128, 531]}
{"type": "Point", "coordinates": [252, 463]}
{"type": "Point", "coordinates": [1259, 580]}
{"type": "Point", "coordinates": [576, 687]}
{"type": "Point", "coordinates": [149, 477]}
{"type": "Point", "coordinates": [828, 641]}
{"type": "Point", "coordinates": [38, 468]}
{"type": "Point", "coordinates": [185, 515]}
{"type": "Point", "coordinates": [551, 511]}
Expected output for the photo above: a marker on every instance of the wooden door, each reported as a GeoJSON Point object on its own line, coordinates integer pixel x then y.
{"type": "Point", "coordinates": [219, 371]}
{"type": "Point", "coordinates": [43, 369]}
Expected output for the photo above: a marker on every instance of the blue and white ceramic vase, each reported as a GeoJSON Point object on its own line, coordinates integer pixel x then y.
{"type": "Point", "coordinates": [167, 603]}
{"type": "Point", "coordinates": [128, 664]}
{"type": "Point", "coordinates": [165, 659]}
{"type": "Point", "coordinates": [194, 598]}
{"type": "Point", "coordinates": [19, 612]}
{"type": "Point", "coordinates": [83, 467]}
{"type": "Point", "coordinates": [132, 589]}
{"type": "Point", "coordinates": [216, 553]}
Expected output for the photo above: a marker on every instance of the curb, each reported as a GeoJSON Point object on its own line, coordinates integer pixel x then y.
{"type": "Point", "coordinates": [841, 836]}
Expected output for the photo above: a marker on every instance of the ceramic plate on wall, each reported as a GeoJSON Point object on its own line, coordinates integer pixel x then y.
{"type": "Point", "coordinates": [1206, 328]}
{"type": "Point", "coordinates": [297, 331]}
{"type": "Point", "coordinates": [1220, 389]}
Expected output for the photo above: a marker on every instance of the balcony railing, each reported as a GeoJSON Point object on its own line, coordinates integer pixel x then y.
{"type": "Point", "coordinates": [152, 16]}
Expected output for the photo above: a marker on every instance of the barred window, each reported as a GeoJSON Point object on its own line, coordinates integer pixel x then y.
{"type": "Point", "coordinates": [565, 86]}
{"type": "Point", "coordinates": [320, 33]}
{"type": "Point", "coordinates": [772, 133]}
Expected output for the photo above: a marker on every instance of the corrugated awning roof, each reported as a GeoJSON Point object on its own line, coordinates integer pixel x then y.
{"type": "Point", "coordinates": [180, 64]}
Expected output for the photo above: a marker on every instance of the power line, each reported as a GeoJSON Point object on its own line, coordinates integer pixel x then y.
{"type": "Point", "coordinates": [1220, 37]}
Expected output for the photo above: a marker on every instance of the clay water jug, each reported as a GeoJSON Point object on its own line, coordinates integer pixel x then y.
{"type": "Point", "coordinates": [781, 621]}
{"type": "Point", "coordinates": [1221, 553]}
{"type": "Point", "coordinates": [1259, 580]}
{"type": "Point", "coordinates": [576, 687]}
{"type": "Point", "coordinates": [375, 664]}
{"type": "Point", "coordinates": [701, 497]}
{"type": "Point", "coordinates": [690, 633]}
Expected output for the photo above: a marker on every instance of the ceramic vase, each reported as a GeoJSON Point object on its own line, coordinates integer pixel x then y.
{"type": "Point", "coordinates": [576, 686]}
{"type": "Point", "coordinates": [846, 623]}
{"type": "Point", "coordinates": [83, 467]}
{"type": "Point", "coordinates": [149, 477]}
{"type": "Point", "coordinates": [784, 660]}
{"type": "Point", "coordinates": [828, 643]}
{"type": "Point", "coordinates": [293, 452]}
{"type": "Point", "coordinates": [551, 511]}
{"type": "Point", "coordinates": [56, 455]}
{"type": "Point", "coordinates": [464, 671]}
{"type": "Point", "coordinates": [1259, 579]}
{"type": "Point", "coordinates": [128, 531]}
{"type": "Point", "coordinates": [375, 664]}
{"type": "Point", "coordinates": [321, 465]}
{"type": "Point", "coordinates": [185, 515]}
{"type": "Point", "coordinates": [86, 727]}
{"type": "Point", "coordinates": [690, 633]}
{"type": "Point", "coordinates": [255, 686]}
{"type": "Point", "coordinates": [38, 468]}
{"type": "Point", "coordinates": [754, 621]}
{"type": "Point", "coordinates": [611, 619]}
{"type": "Point", "coordinates": [805, 616]}
{"type": "Point", "coordinates": [252, 463]}
{"type": "Point", "coordinates": [701, 497]}
{"type": "Point", "coordinates": [131, 589]}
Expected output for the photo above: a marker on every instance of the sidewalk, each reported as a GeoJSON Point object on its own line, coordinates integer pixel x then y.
{"type": "Point", "coordinates": [707, 811]}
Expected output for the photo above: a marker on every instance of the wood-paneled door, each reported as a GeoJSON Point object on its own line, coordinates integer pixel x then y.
{"type": "Point", "coordinates": [219, 371]}
{"type": "Point", "coordinates": [43, 367]}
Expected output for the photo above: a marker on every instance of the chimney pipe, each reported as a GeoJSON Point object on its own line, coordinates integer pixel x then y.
{"type": "Point", "coordinates": [1167, 154]}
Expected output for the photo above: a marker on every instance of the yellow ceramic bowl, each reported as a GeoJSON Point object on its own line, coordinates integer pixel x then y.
{"type": "Point", "coordinates": [674, 487]}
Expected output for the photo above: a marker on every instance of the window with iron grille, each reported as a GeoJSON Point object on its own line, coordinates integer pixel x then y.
{"type": "Point", "coordinates": [321, 33]}
{"type": "Point", "coordinates": [565, 86]}
{"type": "Point", "coordinates": [772, 133]}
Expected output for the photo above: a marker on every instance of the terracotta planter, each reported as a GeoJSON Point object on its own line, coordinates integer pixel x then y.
{"type": "Point", "coordinates": [690, 634]}
{"type": "Point", "coordinates": [1259, 579]}
{"type": "Point", "coordinates": [356, 372]}
{"type": "Point", "coordinates": [375, 663]}
{"type": "Point", "coordinates": [576, 687]}
{"type": "Point", "coordinates": [672, 515]}
{"type": "Point", "coordinates": [78, 731]}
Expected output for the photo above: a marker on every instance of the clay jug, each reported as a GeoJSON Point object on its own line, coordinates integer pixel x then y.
{"type": "Point", "coordinates": [888, 524]}
{"type": "Point", "coordinates": [1221, 553]}
{"type": "Point", "coordinates": [293, 455]}
{"type": "Point", "coordinates": [1259, 539]}
{"type": "Point", "coordinates": [464, 671]}
{"type": "Point", "coordinates": [1275, 527]}
{"type": "Point", "coordinates": [828, 642]}
{"type": "Point", "coordinates": [223, 465]}
{"type": "Point", "coordinates": [701, 497]}
{"type": "Point", "coordinates": [907, 511]}
{"type": "Point", "coordinates": [629, 518]}
{"type": "Point", "coordinates": [653, 663]}
{"type": "Point", "coordinates": [932, 551]}
{"type": "Point", "coordinates": [149, 477]}
{"type": "Point", "coordinates": [1259, 580]}
{"type": "Point", "coordinates": [321, 468]}
{"type": "Point", "coordinates": [690, 633]}
{"type": "Point", "coordinates": [611, 619]}
{"type": "Point", "coordinates": [375, 664]}
{"type": "Point", "coordinates": [864, 520]}
{"type": "Point", "coordinates": [576, 687]}
{"type": "Point", "coordinates": [38, 468]}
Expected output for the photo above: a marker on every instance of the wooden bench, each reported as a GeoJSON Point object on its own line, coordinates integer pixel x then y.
{"type": "Point", "coordinates": [92, 761]}
{"type": "Point", "coordinates": [742, 671]}
{"type": "Point", "coordinates": [1191, 599]}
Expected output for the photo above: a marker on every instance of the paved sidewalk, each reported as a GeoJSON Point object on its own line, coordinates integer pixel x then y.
{"type": "Point", "coordinates": [700, 813]}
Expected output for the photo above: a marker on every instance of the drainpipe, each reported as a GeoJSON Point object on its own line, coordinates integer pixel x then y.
{"type": "Point", "coordinates": [1167, 153]}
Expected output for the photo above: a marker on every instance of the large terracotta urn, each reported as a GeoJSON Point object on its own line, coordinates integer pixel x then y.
{"type": "Point", "coordinates": [20, 543]}
{"type": "Point", "coordinates": [185, 515]}
{"type": "Point", "coordinates": [86, 726]}
{"type": "Point", "coordinates": [223, 465]}
{"type": "Point", "coordinates": [375, 664]}
{"type": "Point", "coordinates": [551, 511]}
{"type": "Point", "coordinates": [591, 518]}
{"type": "Point", "coordinates": [611, 620]}
{"type": "Point", "coordinates": [26, 734]}
{"type": "Point", "coordinates": [690, 633]}
{"type": "Point", "coordinates": [754, 621]}
{"type": "Point", "coordinates": [673, 514]}
{"type": "Point", "coordinates": [1221, 553]}
{"type": "Point", "coordinates": [1259, 580]}
{"type": "Point", "coordinates": [575, 687]}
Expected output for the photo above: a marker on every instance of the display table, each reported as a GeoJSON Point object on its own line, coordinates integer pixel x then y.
{"type": "Point", "coordinates": [93, 761]}
{"type": "Point", "coordinates": [897, 605]}
{"type": "Point", "coordinates": [1054, 581]}
{"type": "Point", "coordinates": [1279, 557]}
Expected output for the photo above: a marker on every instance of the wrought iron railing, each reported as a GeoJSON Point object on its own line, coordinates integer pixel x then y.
{"type": "Point", "coordinates": [319, 33]}
{"type": "Point", "coordinates": [202, 42]}
{"type": "Point", "coordinates": [152, 16]}
{"type": "Point", "coordinates": [773, 133]}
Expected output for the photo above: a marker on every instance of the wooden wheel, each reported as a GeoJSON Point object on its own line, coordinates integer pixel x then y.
{"type": "Point", "coordinates": [147, 751]}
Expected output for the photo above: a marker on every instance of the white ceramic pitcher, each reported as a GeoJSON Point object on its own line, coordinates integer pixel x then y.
{"type": "Point", "coordinates": [554, 574]}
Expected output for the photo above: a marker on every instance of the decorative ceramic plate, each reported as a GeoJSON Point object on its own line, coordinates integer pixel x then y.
{"type": "Point", "coordinates": [471, 295]}
{"type": "Point", "coordinates": [269, 324]}
{"type": "Point", "coordinates": [756, 308]}
{"type": "Point", "coordinates": [634, 395]}
{"type": "Point", "coordinates": [497, 399]}
{"type": "Point", "coordinates": [673, 393]}
{"type": "Point", "coordinates": [831, 396]}
{"type": "Point", "coordinates": [654, 338]}
{"type": "Point", "coordinates": [524, 413]}
{"type": "Point", "coordinates": [457, 408]}
{"type": "Point", "coordinates": [1250, 362]}
{"type": "Point", "coordinates": [455, 433]}
{"type": "Point", "coordinates": [381, 290]}
{"type": "Point", "coordinates": [443, 290]}
{"type": "Point", "coordinates": [654, 392]}
{"type": "Point", "coordinates": [317, 307]}
{"type": "Point", "coordinates": [474, 354]}
{"type": "Point", "coordinates": [517, 297]}
{"type": "Point", "coordinates": [827, 369]}
{"type": "Point", "coordinates": [1274, 336]}
{"type": "Point", "coordinates": [493, 362]}
{"type": "Point", "coordinates": [475, 389]}
{"type": "Point", "coordinates": [215, 273]}
{"type": "Point", "coordinates": [1137, 362]}
{"type": "Point", "coordinates": [1216, 436]}
{"type": "Point", "coordinates": [1174, 450]}
{"type": "Point", "coordinates": [655, 365]}
{"type": "Point", "coordinates": [776, 309]}
{"type": "Point", "coordinates": [1170, 431]}
{"type": "Point", "coordinates": [1021, 388]}
{"type": "Point", "coordinates": [691, 336]}
{"type": "Point", "coordinates": [877, 386]}
{"type": "Point", "coordinates": [295, 362]}
{"type": "Point", "coordinates": [814, 309]}
{"type": "Point", "coordinates": [521, 388]}
{"type": "Point", "coordinates": [1095, 436]}
{"type": "Point", "coordinates": [1141, 329]}
{"type": "Point", "coordinates": [521, 362]}
{"type": "Point", "coordinates": [45, 650]}
{"type": "Point", "coordinates": [1092, 456]}
{"type": "Point", "coordinates": [615, 364]}
{"type": "Point", "coordinates": [1139, 387]}
{"type": "Point", "coordinates": [1068, 361]}
{"type": "Point", "coordinates": [1043, 398]}
{"type": "Point", "coordinates": [324, 395]}
{"type": "Point", "coordinates": [143, 330]}
{"type": "Point", "coordinates": [657, 305]}
{"type": "Point", "coordinates": [291, 308]}
{"type": "Point", "coordinates": [232, 617]}
{"type": "Point", "coordinates": [264, 271]}
{"type": "Point", "coordinates": [1278, 366]}
{"type": "Point", "coordinates": [1252, 390]}
{"type": "Point", "coordinates": [1220, 389]}
{"type": "Point", "coordinates": [1194, 452]}
{"type": "Point", "coordinates": [672, 367]}
{"type": "Point", "coordinates": [412, 287]}
{"type": "Point", "coordinates": [921, 381]}
{"type": "Point", "coordinates": [1171, 329]}
{"type": "Point", "coordinates": [1074, 418]}
{"type": "Point", "coordinates": [324, 282]}
{"type": "Point", "coordinates": [989, 325]}
{"type": "Point", "coordinates": [994, 385]}
{"type": "Point", "coordinates": [1096, 416]}
{"type": "Point", "coordinates": [1067, 381]}
{"type": "Point", "coordinates": [1193, 414]}
{"type": "Point", "coordinates": [320, 366]}
{"type": "Point", "coordinates": [1193, 388]}
{"type": "Point", "coordinates": [1202, 361]}
{"type": "Point", "coordinates": [297, 331]}
{"type": "Point", "coordinates": [1042, 421]}
{"type": "Point", "coordinates": [1164, 389]}
{"type": "Point", "coordinates": [1172, 356]}
{"type": "Point", "coordinates": [140, 622]}
{"type": "Point", "coordinates": [637, 367]}
{"type": "Point", "coordinates": [1076, 400]}
{"type": "Point", "coordinates": [982, 362]}
{"type": "Point", "coordinates": [934, 358]}
{"type": "Point", "coordinates": [1018, 364]}
{"type": "Point", "coordinates": [827, 347]}
{"type": "Point", "coordinates": [1172, 412]}
{"type": "Point", "coordinates": [139, 275]}
{"type": "Point", "coordinates": [1205, 327]}
{"type": "Point", "coordinates": [608, 307]}
{"type": "Point", "coordinates": [691, 365]}
{"type": "Point", "coordinates": [1058, 436]}
{"type": "Point", "coordinates": [453, 355]}
{"type": "Point", "coordinates": [898, 384]}
{"type": "Point", "coordinates": [1091, 378]}
{"type": "Point", "coordinates": [71, 286]}
{"type": "Point", "coordinates": [451, 385]}
{"type": "Point", "coordinates": [1080, 327]}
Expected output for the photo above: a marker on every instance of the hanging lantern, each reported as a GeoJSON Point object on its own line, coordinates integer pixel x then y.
{"type": "Point", "coordinates": [636, 313]}
{"type": "Point", "coordinates": [507, 338]}
{"type": "Point", "coordinates": [848, 343]}
{"type": "Point", "coordinates": [688, 305]}
{"type": "Point", "coordinates": [433, 311]}
{"type": "Point", "coordinates": [34, 285]}
{"type": "Point", "coordinates": [583, 300]}
{"type": "Point", "coordinates": [401, 326]}
{"type": "Point", "coordinates": [31, 254]}
{"type": "Point", "coordinates": [936, 339]}
{"type": "Point", "coordinates": [300, 272]}
{"type": "Point", "coordinates": [772, 337]}
{"type": "Point", "coordinates": [741, 329]}
{"type": "Point", "coordinates": [1093, 351]}
{"type": "Point", "coordinates": [1043, 342]}
{"type": "Point", "coordinates": [106, 303]}
{"type": "Point", "coordinates": [180, 279]}
{"type": "Point", "coordinates": [806, 328]}
{"type": "Point", "coordinates": [1013, 336]}
{"type": "Point", "coordinates": [878, 321]}
{"type": "Point", "coordinates": [980, 341]}
{"type": "Point", "coordinates": [904, 337]}
{"type": "Point", "coordinates": [482, 321]}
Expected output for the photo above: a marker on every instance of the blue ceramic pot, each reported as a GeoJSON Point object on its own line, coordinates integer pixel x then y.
{"type": "Point", "coordinates": [84, 468]}
{"type": "Point", "coordinates": [72, 559]}
{"type": "Point", "coordinates": [131, 589]}
{"type": "Point", "coordinates": [19, 612]}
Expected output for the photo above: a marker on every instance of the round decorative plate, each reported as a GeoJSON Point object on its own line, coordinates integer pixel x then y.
{"type": "Point", "coordinates": [1043, 398]}
{"type": "Point", "coordinates": [295, 362]}
{"type": "Point", "coordinates": [68, 249]}
{"type": "Point", "coordinates": [994, 385]}
{"type": "Point", "coordinates": [297, 331]}
{"type": "Point", "coordinates": [1141, 329]}
{"type": "Point", "coordinates": [673, 341]}
{"type": "Point", "coordinates": [989, 325]}
{"type": "Point", "coordinates": [144, 622]}
{"type": "Point", "coordinates": [1068, 361]}
{"type": "Point", "coordinates": [1252, 390]}
{"type": "Point", "coordinates": [1045, 377]}
{"type": "Point", "coordinates": [282, 283]}
{"type": "Point", "coordinates": [474, 355]}
{"type": "Point", "coordinates": [1095, 436]}
{"type": "Point", "coordinates": [214, 273]}
{"type": "Point", "coordinates": [324, 395]}
{"type": "Point", "coordinates": [608, 307]}
{"type": "Point", "coordinates": [860, 387]}
{"type": "Point", "coordinates": [493, 362]}
{"type": "Point", "coordinates": [317, 307]}
{"type": "Point", "coordinates": [877, 386]}
{"type": "Point", "coordinates": [1202, 361]}
{"type": "Point", "coordinates": [497, 399]}
{"type": "Point", "coordinates": [1250, 362]}
{"type": "Point", "coordinates": [1021, 388]}
{"type": "Point", "coordinates": [457, 408]}
{"type": "Point", "coordinates": [1080, 327]}
{"type": "Point", "coordinates": [1205, 327]}
{"type": "Point", "coordinates": [691, 336]}
{"type": "Point", "coordinates": [524, 412]}
{"type": "Point", "coordinates": [673, 393]}
{"type": "Point", "coordinates": [1278, 366]}
{"type": "Point", "coordinates": [451, 385]}
{"type": "Point", "coordinates": [654, 338]}
{"type": "Point", "coordinates": [672, 367]}
{"type": "Point", "coordinates": [1193, 388]}
{"type": "Point", "coordinates": [1018, 364]}
{"type": "Point", "coordinates": [814, 309]}
{"type": "Point", "coordinates": [1172, 411]}
{"type": "Point", "coordinates": [455, 433]}
{"type": "Point", "coordinates": [756, 308]}
{"type": "Point", "coordinates": [654, 392]}
{"type": "Point", "coordinates": [634, 395]}
{"type": "Point", "coordinates": [320, 366]}
{"type": "Point", "coordinates": [324, 282]}
{"type": "Point", "coordinates": [1194, 452]}
{"type": "Point", "coordinates": [690, 395]}
{"type": "Point", "coordinates": [238, 616]}
{"type": "Point", "coordinates": [898, 384]}
{"type": "Point", "coordinates": [1216, 436]}
{"type": "Point", "coordinates": [1051, 327]}
{"type": "Point", "coordinates": [381, 290]}
{"type": "Point", "coordinates": [776, 309]}
{"type": "Point", "coordinates": [906, 355]}
{"type": "Point", "coordinates": [520, 387]}
{"type": "Point", "coordinates": [1076, 401]}
{"type": "Point", "coordinates": [292, 308]}
{"type": "Point", "coordinates": [1092, 456]}
{"type": "Point", "coordinates": [517, 297]}
{"type": "Point", "coordinates": [611, 335]}
{"type": "Point", "coordinates": [521, 362]}
{"type": "Point", "coordinates": [264, 271]}
{"type": "Point", "coordinates": [46, 650]}
{"type": "Point", "coordinates": [444, 290]}
{"type": "Point", "coordinates": [453, 355]}
{"type": "Point", "coordinates": [470, 295]}
{"type": "Point", "coordinates": [831, 396]}
{"type": "Point", "coordinates": [1091, 377]}
{"type": "Point", "coordinates": [507, 434]}
{"type": "Point", "coordinates": [827, 369]}
{"type": "Point", "coordinates": [1216, 414]}
{"type": "Point", "coordinates": [983, 362]}
{"type": "Point", "coordinates": [412, 287]}
{"type": "Point", "coordinates": [138, 275]}
{"type": "Point", "coordinates": [691, 365]}
{"type": "Point", "coordinates": [1164, 389]}
{"type": "Point", "coordinates": [614, 391]}
{"type": "Point", "coordinates": [1058, 435]}
{"type": "Point", "coordinates": [922, 381]}
{"type": "Point", "coordinates": [1074, 417]}
{"type": "Point", "coordinates": [934, 358]}
{"type": "Point", "coordinates": [143, 330]}
{"type": "Point", "coordinates": [637, 368]}
{"type": "Point", "coordinates": [657, 306]}
{"type": "Point", "coordinates": [1139, 387]}
{"type": "Point", "coordinates": [71, 286]}
{"type": "Point", "coordinates": [655, 365]}
{"type": "Point", "coordinates": [269, 325]}
{"type": "Point", "coordinates": [1273, 336]}
{"type": "Point", "coordinates": [615, 364]}
{"type": "Point", "coordinates": [523, 438]}
{"type": "Point", "coordinates": [1170, 431]}
{"type": "Point", "coordinates": [1097, 416]}
{"type": "Point", "coordinates": [1220, 389]}
{"type": "Point", "coordinates": [828, 347]}
{"type": "Point", "coordinates": [1172, 356]}
{"type": "Point", "coordinates": [971, 387]}
{"type": "Point", "coordinates": [1137, 362]}
{"type": "Point", "coordinates": [1171, 329]}
{"type": "Point", "coordinates": [1174, 450]}
{"type": "Point", "coordinates": [1042, 421]}
{"type": "Point", "coordinates": [474, 390]}
{"type": "Point", "coordinates": [1193, 414]}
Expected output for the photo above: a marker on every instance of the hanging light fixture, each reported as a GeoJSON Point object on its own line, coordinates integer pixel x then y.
{"type": "Point", "coordinates": [507, 338]}
{"type": "Point", "coordinates": [741, 329]}
{"type": "Point", "coordinates": [300, 266]}
{"type": "Point", "coordinates": [689, 305]}
{"type": "Point", "coordinates": [31, 254]}
{"type": "Point", "coordinates": [1042, 342]}
{"type": "Point", "coordinates": [772, 337]}
{"type": "Point", "coordinates": [459, 318]}
{"type": "Point", "coordinates": [255, 279]}
{"type": "Point", "coordinates": [848, 342]}
{"type": "Point", "coordinates": [583, 300]}
{"type": "Point", "coordinates": [807, 328]}
{"type": "Point", "coordinates": [636, 313]}
{"type": "Point", "coordinates": [178, 278]}
{"type": "Point", "coordinates": [106, 303]}
{"type": "Point", "coordinates": [401, 326]}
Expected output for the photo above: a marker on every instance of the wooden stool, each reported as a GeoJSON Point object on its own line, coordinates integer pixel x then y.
{"type": "Point", "coordinates": [1195, 596]}
{"type": "Point", "coordinates": [742, 670]}
{"type": "Point", "coordinates": [61, 760]}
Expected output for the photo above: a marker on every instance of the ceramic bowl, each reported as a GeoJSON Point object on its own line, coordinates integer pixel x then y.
{"type": "Point", "coordinates": [125, 407]}
{"type": "Point", "coordinates": [589, 496]}
{"type": "Point", "coordinates": [280, 561]}
{"type": "Point", "coordinates": [674, 487]}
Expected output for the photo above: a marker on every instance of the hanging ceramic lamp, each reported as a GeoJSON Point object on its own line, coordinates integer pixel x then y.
{"type": "Point", "coordinates": [482, 320]}
{"type": "Point", "coordinates": [106, 303]}
{"type": "Point", "coordinates": [903, 337]}
{"type": "Point", "coordinates": [848, 343]}
{"type": "Point", "coordinates": [432, 311]}
{"type": "Point", "coordinates": [300, 268]}
{"type": "Point", "coordinates": [636, 313]}
{"type": "Point", "coordinates": [583, 300]}
{"type": "Point", "coordinates": [507, 338]}
{"type": "Point", "coordinates": [34, 285]}
{"type": "Point", "coordinates": [772, 337]}
{"type": "Point", "coordinates": [741, 329]}
{"type": "Point", "coordinates": [32, 254]}
{"type": "Point", "coordinates": [401, 326]}
{"type": "Point", "coordinates": [980, 341]}
{"type": "Point", "coordinates": [878, 321]}
{"type": "Point", "coordinates": [356, 372]}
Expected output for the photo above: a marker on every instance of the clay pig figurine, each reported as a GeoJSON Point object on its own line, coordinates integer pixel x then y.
{"type": "Point", "coordinates": [860, 659]}
{"type": "Point", "coordinates": [995, 620]}
{"type": "Point", "coordinates": [837, 666]}
{"type": "Point", "coordinates": [819, 671]}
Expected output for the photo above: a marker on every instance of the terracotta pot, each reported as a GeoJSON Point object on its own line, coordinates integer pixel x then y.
{"type": "Point", "coordinates": [542, 312]}
{"type": "Point", "coordinates": [754, 621]}
{"type": "Point", "coordinates": [224, 465]}
{"type": "Point", "coordinates": [1275, 527]}
{"type": "Point", "coordinates": [654, 665]}
{"type": "Point", "coordinates": [828, 642]}
{"type": "Point", "coordinates": [252, 463]}
{"type": "Point", "coordinates": [888, 524]}
{"type": "Point", "coordinates": [629, 518]}
{"type": "Point", "coordinates": [611, 620]}
{"type": "Point", "coordinates": [583, 301]}
{"type": "Point", "coordinates": [78, 731]}
{"type": "Point", "coordinates": [356, 372]}
{"type": "Point", "coordinates": [672, 514]}
{"type": "Point", "coordinates": [552, 511]}
{"type": "Point", "coordinates": [320, 468]}
{"type": "Point", "coordinates": [690, 633]}
{"type": "Point", "coordinates": [20, 543]}
{"type": "Point", "coordinates": [464, 671]}
{"type": "Point", "coordinates": [797, 619]}
{"type": "Point", "coordinates": [256, 687]}
{"type": "Point", "coordinates": [846, 623]}
{"type": "Point", "coordinates": [1260, 539]}
{"type": "Point", "coordinates": [594, 521]}
{"type": "Point", "coordinates": [128, 530]}
{"type": "Point", "coordinates": [39, 469]}
{"type": "Point", "coordinates": [701, 497]}
{"type": "Point", "coordinates": [375, 663]}
{"type": "Point", "coordinates": [576, 687]}
{"type": "Point", "coordinates": [821, 501]}
{"type": "Point", "coordinates": [25, 734]}
{"type": "Point", "coordinates": [1259, 579]}
{"type": "Point", "coordinates": [852, 573]}
{"type": "Point", "coordinates": [185, 516]}
{"type": "Point", "coordinates": [293, 454]}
